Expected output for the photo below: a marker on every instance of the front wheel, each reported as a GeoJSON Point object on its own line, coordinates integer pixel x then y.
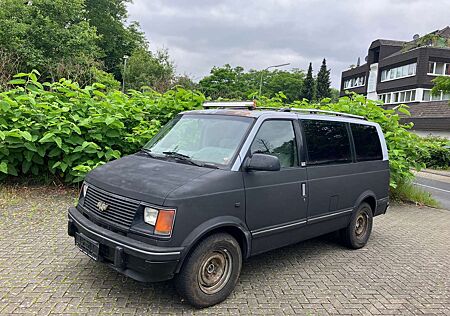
{"type": "Point", "coordinates": [357, 233]}
{"type": "Point", "coordinates": [211, 272]}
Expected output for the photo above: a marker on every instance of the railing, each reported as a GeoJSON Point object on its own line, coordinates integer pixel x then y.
{"type": "Point", "coordinates": [250, 105]}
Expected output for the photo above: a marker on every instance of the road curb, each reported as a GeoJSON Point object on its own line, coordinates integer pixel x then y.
{"type": "Point", "coordinates": [437, 172]}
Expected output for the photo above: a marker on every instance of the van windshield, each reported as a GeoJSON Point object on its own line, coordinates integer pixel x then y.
{"type": "Point", "coordinates": [206, 138]}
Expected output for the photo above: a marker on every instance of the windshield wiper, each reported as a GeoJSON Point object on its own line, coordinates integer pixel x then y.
{"type": "Point", "coordinates": [182, 157]}
{"type": "Point", "coordinates": [176, 154]}
{"type": "Point", "coordinates": [188, 159]}
{"type": "Point", "coordinates": [148, 152]}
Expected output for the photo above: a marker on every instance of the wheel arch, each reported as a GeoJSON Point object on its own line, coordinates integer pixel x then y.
{"type": "Point", "coordinates": [368, 197]}
{"type": "Point", "coordinates": [228, 224]}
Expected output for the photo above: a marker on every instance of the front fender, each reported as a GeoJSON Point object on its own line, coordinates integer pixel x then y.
{"type": "Point", "coordinates": [214, 224]}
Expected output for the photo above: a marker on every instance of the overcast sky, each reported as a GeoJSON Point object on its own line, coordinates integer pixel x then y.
{"type": "Point", "coordinates": [200, 34]}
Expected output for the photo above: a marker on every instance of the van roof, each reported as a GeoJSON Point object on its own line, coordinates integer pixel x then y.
{"type": "Point", "coordinates": [287, 113]}
{"type": "Point", "coordinates": [249, 109]}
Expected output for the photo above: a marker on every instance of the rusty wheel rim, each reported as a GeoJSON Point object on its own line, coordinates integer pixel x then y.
{"type": "Point", "coordinates": [215, 271]}
{"type": "Point", "coordinates": [361, 226]}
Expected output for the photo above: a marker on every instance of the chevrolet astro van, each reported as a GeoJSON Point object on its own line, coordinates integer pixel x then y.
{"type": "Point", "coordinates": [218, 185]}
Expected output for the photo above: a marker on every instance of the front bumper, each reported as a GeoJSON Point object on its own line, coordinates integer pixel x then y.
{"type": "Point", "coordinates": [133, 258]}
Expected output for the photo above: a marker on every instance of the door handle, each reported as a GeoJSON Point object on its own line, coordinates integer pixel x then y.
{"type": "Point", "coordinates": [303, 185]}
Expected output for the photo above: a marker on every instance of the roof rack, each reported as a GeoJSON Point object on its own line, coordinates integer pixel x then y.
{"type": "Point", "coordinates": [251, 105]}
{"type": "Point", "coordinates": [316, 111]}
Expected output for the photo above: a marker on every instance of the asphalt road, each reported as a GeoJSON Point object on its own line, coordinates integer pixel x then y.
{"type": "Point", "coordinates": [439, 189]}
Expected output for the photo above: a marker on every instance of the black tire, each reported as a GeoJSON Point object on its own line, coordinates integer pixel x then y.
{"type": "Point", "coordinates": [357, 233]}
{"type": "Point", "coordinates": [210, 273]}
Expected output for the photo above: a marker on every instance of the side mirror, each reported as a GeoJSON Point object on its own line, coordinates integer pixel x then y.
{"type": "Point", "coordinates": [262, 162]}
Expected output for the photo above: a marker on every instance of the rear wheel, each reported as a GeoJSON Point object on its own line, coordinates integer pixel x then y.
{"type": "Point", "coordinates": [211, 271]}
{"type": "Point", "coordinates": [357, 233]}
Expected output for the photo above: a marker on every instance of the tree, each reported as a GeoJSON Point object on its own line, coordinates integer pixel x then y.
{"type": "Point", "coordinates": [441, 83]}
{"type": "Point", "coordinates": [105, 78]}
{"type": "Point", "coordinates": [185, 82]}
{"type": "Point", "coordinates": [50, 35]}
{"type": "Point", "coordinates": [288, 82]}
{"type": "Point", "coordinates": [309, 86]}
{"type": "Point", "coordinates": [234, 83]}
{"type": "Point", "coordinates": [147, 69]}
{"type": "Point", "coordinates": [9, 65]}
{"type": "Point", "coordinates": [225, 82]}
{"type": "Point", "coordinates": [115, 38]}
{"type": "Point", "coordinates": [323, 82]}
{"type": "Point", "coordinates": [334, 95]}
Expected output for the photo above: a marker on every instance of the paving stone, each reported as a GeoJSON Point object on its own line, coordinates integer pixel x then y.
{"type": "Point", "coordinates": [404, 269]}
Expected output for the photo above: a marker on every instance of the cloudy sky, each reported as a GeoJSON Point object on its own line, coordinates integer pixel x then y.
{"type": "Point", "coordinates": [200, 34]}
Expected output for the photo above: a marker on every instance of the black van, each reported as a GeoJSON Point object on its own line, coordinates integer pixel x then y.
{"type": "Point", "coordinates": [219, 185]}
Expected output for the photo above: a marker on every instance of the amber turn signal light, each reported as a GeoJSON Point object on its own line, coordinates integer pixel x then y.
{"type": "Point", "coordinates": [164, 223]}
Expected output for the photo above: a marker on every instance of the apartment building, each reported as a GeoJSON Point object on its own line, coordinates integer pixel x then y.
{"type": "Point", "coordinates": [398, 72]}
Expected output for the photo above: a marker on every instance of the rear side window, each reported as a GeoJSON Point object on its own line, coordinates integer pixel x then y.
{"type": "Point", "coordinates": [327, 142]}
{"type": "Point", "coordinates": [367, 142]}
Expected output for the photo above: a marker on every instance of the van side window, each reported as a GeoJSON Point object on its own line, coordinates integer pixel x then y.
{"type": "Point", "coordinates": [277, 138]}
{"type": "Point", "coordinates": [327, 142]}
{"type": "Point", "coordinates": [367, 142]}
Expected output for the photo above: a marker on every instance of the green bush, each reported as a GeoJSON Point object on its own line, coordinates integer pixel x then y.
{"type": "Point", "coordinates": [66, 130]}
{"type": "Point", "coordinates": [437, 153]}
{"type": "Point", "coordinates": [404, 147]}
{"type": "Point", "coordinates": [62, 129]}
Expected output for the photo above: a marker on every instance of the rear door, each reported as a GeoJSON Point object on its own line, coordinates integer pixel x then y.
{"type": "Point", "coordinates": [330, 170]}
{"type": "Point", "coordinates": [275, 205]}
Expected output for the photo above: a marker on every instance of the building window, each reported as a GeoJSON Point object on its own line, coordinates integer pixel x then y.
{"type": "Point", "coordinates": [438, 68]}
{"type": "Point", "coordinates": [399, 72]}
{"type": "Point", "coordinates": [427, 96]}
{"type": "Point", "coordinates": [398, 97]}
{"type": "Point", "coordinates": [355, 82]}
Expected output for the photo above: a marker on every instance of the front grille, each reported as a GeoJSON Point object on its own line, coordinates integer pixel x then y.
{"type": "Point", "coordinates": [120, 210]}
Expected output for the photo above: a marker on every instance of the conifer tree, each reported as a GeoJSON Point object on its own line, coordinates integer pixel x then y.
{"type": "Point", "coordinates": [323, 82]}
{"type": "Point", "coordinates": [309, 86]}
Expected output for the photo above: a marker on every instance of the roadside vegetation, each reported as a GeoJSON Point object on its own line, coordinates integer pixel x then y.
{"type": "Point", "coordinates": [407, 192]}
{"type": "Point", "coordinates": [229, 82]}
{"type": "Point", "coordinates": [92, 41]}
{"type": "Point", "coordinates": [437, 155]}
{"type": "Point", "coordinates": [54, 129]}
{"type": "Point", "coordinates": [407, 151]}
{"type": "Point", "coordinates": [59, 130]}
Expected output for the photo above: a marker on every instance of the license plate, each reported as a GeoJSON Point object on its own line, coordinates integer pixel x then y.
{"type": "Point", "coordinates": [87, 246]}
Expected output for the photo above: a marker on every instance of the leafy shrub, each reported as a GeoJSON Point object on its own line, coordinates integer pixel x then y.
{"type": "Point", "coordinates": [437, 154]}
{"type": "Point", "coordinates": [66, 130]}
{"type": "Point", "coordinates": [404, 148]}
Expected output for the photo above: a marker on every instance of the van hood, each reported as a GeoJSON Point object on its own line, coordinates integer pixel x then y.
{"type": "Point", "coordinates": [144, 178]}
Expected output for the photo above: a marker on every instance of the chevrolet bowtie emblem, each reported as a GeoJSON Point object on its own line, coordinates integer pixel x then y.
{"type": "Point", "coordinates": [102, 206]}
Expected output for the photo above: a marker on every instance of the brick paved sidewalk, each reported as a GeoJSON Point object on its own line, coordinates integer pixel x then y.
{"type": "Point", "coordinates": [405, 269]}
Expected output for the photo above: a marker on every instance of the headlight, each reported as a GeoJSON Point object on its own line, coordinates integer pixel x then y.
{"type": "Point", "coordinates": [150, 215]}
{"type": "Point", "coordinates": [83, 193]}
{"type": "Point", "coordinates": [162, 220]}
{"type": "Point", "coordinates": [83, 190]}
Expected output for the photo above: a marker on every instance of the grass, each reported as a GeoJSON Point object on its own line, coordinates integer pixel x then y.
{"type": "Point", "coordinates": [407, 192]}
{"type": "Point", "coordinates": [9, 196]}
